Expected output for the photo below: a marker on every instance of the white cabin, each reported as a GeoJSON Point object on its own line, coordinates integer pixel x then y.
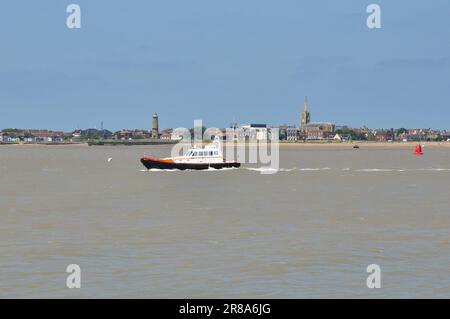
{"type": "Point", "coordinates": [209, 154]}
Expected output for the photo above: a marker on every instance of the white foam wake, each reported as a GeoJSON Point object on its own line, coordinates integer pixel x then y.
{"type": "Point", "coordinates": [210, 169]}
{"type": "Point", "coordinates": [158, 170]}
{"type": "Point", "coordinates": [369, 170]}
{"type": "Point", "coordinates": [262, 169]}
{"type": "Point", "coordinates": [270, 169]}
{"type": "Point", "coordinates": [306, 169]}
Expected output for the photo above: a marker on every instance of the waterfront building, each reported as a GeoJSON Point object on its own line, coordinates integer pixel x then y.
{"type": "Point", "coordinates": [338, 138]}
{"type": "Point", "coordinates": [231, 134]}
{"type": "Point", "coordinates": [45, 136]}
{"type": "Point", "coordinates": [320, 131]}
{"type": "Point", "coordinates": [10, 139]}
{"type": "Point", "coordinates": [252, 132]}
{"type": "Point", "coordinates": [445, 136]}
{"type": "Point", "coordinates": [282, 131]}
{"type": "Point", "coordinates": [29, 139]}
{"type": "Point", "coordinates": [288, 132]}
{"type": "Point", "coordinates": [166, 134]}
{"type": "Point", "coordinates": [76, 135]}
{"type": "Point", "coordinates": [292, 134]}
{"type": "Point", "coordinates": [384, 135]}
{"type": "Point", "coordinates": [32, 136]}
{"type": "Point", "coordinates": [176, 135]}
{"type": "Point", "coordinates": [140, 134]}
{"type": "Point", "coordinates": [313, 130]}
{"type": "Point", "coordinates": [132, 135]}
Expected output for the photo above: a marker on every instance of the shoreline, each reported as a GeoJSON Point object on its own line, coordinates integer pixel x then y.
{"type": "Point", "coordinates": [368, 144]}
{"type": "Point", "coordinates": [43, 144]}
{"type": "Point", "coordinates": [361, 144]}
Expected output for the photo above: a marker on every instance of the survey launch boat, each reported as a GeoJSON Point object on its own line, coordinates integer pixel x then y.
{"type": "Point", "coordinates": [206, 157]}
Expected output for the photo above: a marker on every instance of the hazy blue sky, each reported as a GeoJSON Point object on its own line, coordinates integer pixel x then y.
{"type": "Point", "coordinates": [219, 60]}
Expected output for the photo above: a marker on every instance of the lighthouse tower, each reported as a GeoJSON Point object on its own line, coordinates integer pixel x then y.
{"type": "Point", "coordinates": [155, 131]}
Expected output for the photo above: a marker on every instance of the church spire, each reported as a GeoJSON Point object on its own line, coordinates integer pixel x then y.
{"type": "Point", "coordinates": [305, 116]}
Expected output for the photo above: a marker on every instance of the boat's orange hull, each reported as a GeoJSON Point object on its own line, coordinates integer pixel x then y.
{"type": "Point", "coordinates": [159, 163]}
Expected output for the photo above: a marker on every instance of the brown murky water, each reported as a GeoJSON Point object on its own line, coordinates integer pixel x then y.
{"type": "Point", "coordinates": [307, 231]}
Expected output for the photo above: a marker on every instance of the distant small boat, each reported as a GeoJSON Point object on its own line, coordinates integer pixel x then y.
{"type": "Point", "coordinates": [355, 146]}
{"type": "Point", "coordinates": [418, 150]}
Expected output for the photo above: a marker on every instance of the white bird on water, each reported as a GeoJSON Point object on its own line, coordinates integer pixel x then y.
{"type": "Point", "coordinates": [109, 159]}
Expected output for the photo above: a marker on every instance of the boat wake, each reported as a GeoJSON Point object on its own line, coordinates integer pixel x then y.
{"type": "Point", "coordinates": [263, 169]}
{"type": "Point", "coordinates": [210, 169]}
{"type": "Point", "coordinates": [306, 169]}
{"type": "Point", "coordinates": [347, 169]}
{"type": "Point", "coordinates": [269, 169]}
{"type": "Point", "coordinates": [159, 170]}
{"type": "Point", "coordinates": [374, 170]}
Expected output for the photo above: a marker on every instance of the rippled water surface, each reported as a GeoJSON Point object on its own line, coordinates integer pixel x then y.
{"type": "Point", "coordinates": [308, 231]}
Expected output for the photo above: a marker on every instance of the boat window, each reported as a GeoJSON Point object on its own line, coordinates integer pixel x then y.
{"type": "Point", "coordinates": [216, 153]}
{"type": "Point", "coordinates": [210, 153]}
{"type": "Point", "coordinates": [202, 153]}
{"type": "Point", "coordinates": [195, 154]}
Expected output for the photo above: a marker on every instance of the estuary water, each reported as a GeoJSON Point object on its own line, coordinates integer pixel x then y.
{"type": "Point", "coordinates": [309, 231]}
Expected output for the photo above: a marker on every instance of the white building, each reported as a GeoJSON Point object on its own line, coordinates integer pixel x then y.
{"type": "Point", "coordinates": [258, 132]}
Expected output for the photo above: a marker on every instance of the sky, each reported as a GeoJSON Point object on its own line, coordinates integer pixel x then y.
{"type": "Point", "coordinates": [249, 61]}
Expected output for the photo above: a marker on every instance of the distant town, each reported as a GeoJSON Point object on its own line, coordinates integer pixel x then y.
{"type": "Point", "coordinates": [306, 131]}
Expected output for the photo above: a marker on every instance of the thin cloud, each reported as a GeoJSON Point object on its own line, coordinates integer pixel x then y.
{"type": "Point", "coordinates": [402, 64]}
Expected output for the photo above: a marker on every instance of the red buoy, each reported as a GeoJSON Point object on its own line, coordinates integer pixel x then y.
{"type": "Point", "coordinates": [418, 150]}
